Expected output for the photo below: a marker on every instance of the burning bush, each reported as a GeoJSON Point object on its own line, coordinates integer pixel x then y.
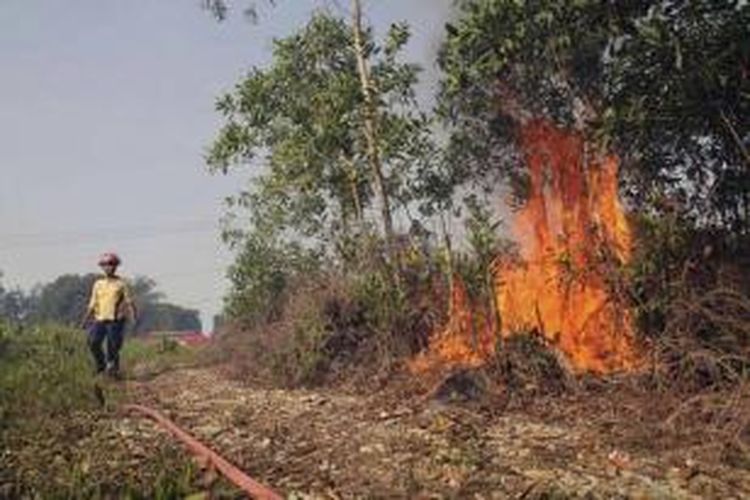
{"type": "Point", "coordinates": [527, 363]}
{"type": "Point", "coordinates": [574, 238]}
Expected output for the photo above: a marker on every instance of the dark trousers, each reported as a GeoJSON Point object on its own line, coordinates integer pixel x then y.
{"type": "Point", "coordinates": [112, 332]}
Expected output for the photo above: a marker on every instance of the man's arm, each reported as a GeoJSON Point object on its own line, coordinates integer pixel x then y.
{"type": "Point", "coordinates": [133, 312]}
{"type": "Point", "coordinates": [130, 303]}
{"type": "Point", "coordinates": [90, 308]}
{"type": "Point", "coordinates": [87, 317]}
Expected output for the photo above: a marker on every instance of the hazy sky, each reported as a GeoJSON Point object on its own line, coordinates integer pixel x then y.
{"type": "Point", "coordinates": [106, 107]}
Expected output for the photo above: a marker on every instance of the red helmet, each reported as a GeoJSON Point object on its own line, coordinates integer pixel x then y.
{"type": "Point", "coordinates": [109, 258]}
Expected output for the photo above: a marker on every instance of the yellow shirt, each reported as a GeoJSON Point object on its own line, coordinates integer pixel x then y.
{"type": "Point", "coordinates": [107, 296]}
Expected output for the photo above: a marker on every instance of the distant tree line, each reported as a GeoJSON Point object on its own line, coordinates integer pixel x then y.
{"type": "Point", "coordinates": [64, 300]}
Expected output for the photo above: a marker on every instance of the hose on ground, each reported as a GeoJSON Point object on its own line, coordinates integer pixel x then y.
{"type": "Point", "coordinates": [230, 471]}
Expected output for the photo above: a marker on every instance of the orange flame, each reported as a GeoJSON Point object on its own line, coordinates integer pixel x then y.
{"type": "Point", "coordinates": [464, 341]}
{"type": "Point", "coordinates": [573, 235]}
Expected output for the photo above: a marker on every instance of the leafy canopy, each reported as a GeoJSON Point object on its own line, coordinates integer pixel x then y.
{"type": "Point", "coordinates": [300, 122]}
{"type": "Point", "coordinates": [665, 83]}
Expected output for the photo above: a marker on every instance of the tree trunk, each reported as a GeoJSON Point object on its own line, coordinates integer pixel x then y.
{"type": "Point", "coordinates": [735, 138]}
{"type": "Point", "coordinates": [491, 283]}
{"type": "Point", "coordinates": [351, 174]}
{"type": "Point", "coordinates": [370, 123]}
{"type": "Point", "coordinates": [448, 253]}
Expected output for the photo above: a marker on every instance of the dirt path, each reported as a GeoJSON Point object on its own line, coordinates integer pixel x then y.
{"type": "Point", "coordinates": [325, 445]}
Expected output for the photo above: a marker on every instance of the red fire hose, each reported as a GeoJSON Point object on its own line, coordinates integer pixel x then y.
{"type": "Point", "coordinates": [231, 472]}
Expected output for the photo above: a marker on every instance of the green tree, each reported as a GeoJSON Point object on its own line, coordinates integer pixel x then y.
{"type": "Point", "coordinates": [665, 82]}
{"type": "Point", "coordinates": [372, 85]}
{"type": "Point", "coordinates": [15, 305]}
{"type": "Point", "coordinates": [220, 8]}
{"type": "Point", "coordinates": [162, 316]}
{"type": "Point", "coordinates": [370, 113]}
{"type": "Point", "coordinates": [679, 107]}
{"type": "Point", "coordinates": [63, 300]}
{"type": "Point", "coordinates": [299, 114]}
{"type": "Point", "coordinates": [312, 118]}
{"type": "Point", "coordinates": [486, 244]}
{"type": "Point", "coordinates": [263, 270]}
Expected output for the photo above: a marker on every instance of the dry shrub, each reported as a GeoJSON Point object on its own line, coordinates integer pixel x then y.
{"type": "Point", "coordinates": [463, 385]}
{"type": "Point", "coordinates": [720, 418]}
{"type": "Point", "coordinates": [522, 369]}
{"type": "Point", "coordinates": [702, 365]}
{"type": "Point", "coordinates": [338, 329]}
{"type": "Point", "coordinates": [706, 342]}
{"type": "Point", "coordinates": [527, 364]}
{"type": "Point", "coordinates": [291, 350]}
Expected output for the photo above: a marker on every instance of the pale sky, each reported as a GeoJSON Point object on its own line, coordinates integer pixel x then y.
{"type": "Point", "coordinates": [106, 108]}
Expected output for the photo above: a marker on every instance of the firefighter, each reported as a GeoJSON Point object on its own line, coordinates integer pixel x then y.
{"type": "Point", "coordinates": [110, 296]}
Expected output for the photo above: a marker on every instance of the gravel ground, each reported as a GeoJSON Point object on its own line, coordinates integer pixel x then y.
{"type": "Point", "coordinates": [326, 444]}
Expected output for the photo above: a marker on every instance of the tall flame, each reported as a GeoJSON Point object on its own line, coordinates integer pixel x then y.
{"type": "Point", "coordinates": [572, 234]}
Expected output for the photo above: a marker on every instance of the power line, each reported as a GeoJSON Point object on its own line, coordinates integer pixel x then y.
{"type": "Point", "coordinates": [178, 224]}
{"type": "Point", "coordinates": [40, 240]}
{"type": "Point", "coordinates": [189, 274]}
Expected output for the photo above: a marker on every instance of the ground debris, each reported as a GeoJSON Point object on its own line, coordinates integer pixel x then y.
{"type": "Point", "coordinates": [324, 444]}
{"type": "Point", "coordinates": [330, 444]}
{"type": "Point", "coordinates": [90, 456]}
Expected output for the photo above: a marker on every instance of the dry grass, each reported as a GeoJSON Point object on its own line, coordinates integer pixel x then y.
{"type": "Point", "coordinates": [343, 330]}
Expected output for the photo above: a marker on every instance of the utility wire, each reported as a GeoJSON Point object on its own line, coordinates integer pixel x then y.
{"type": "Point", "coordinates": [108, 228]}
{"type": "Point", "coordinates": [40, 240]}
{"type": "Point", "coordinates": [188, 274]}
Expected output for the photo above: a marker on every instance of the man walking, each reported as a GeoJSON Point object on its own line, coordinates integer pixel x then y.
{"type": "Point", "coordinates": [109, 296]}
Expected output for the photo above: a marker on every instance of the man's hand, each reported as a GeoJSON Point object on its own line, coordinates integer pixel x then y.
{"type": "Point", "coordinates": [86, 320]}
{"type": "Point", "coordinates": [134, 315]}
